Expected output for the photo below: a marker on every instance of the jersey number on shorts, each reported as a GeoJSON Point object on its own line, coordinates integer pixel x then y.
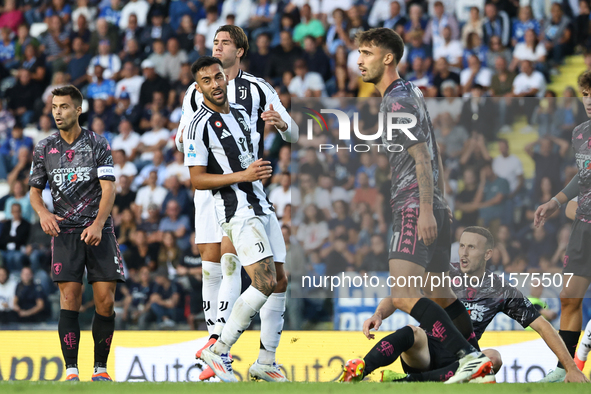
{"type": "Point", "coordinates": [395, 241]}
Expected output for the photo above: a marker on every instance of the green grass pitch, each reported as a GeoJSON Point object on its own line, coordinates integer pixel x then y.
{"type": "Point", "coordinates": [285, 388]}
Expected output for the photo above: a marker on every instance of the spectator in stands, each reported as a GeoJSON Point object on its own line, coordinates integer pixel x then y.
{"type": "Point", "coordinates": [158, 57]}
{"type": "Point", "coordinates": [122, 166]}
{"type": "Point", "coordinates": [540, 244]}
{"type": "Point", "coordinates": [439, 20]}
{"type": "Point", "coordinates": [111, 12]}
{"type": "Point", "coordinates": [7, 49]}
{"type": "Point", "coordinates": [45, 129]}
{"type": "Point", "coordinates": [23, 97]}
{"type": "Point", "coordinates": [78, 63]}
{"type": "Point", "coordinates": [570, 113]}
{"type": "Point", "coordinates": [140, 253]}
{"type": "Point", "coordinates": [131, 52]}
{"type": "Point", "coordinates": [530, 49]}
{"type": "Point", "coordinates": [149, 194]}
{"type": "Point", "coordinates": [497, 50]}
{"type": "Point", "coordinates": [308, 26]}
{"type": "Point", "coordinates": [306, 83]}
{"type": "Point", "coordinates": [127, 139]}
{"type": "Point", "coordinates": [153, 140]}
{"type": "Point", "coordinates": [139, 8]}
{"type": "Point", "coordinates": [442, 74]}
{"type": "Point", "coordinates": [104, 33]}
{"type": "Point", "coordinates": [101, 87]}
{"type": "Point", "coordinates": [176, 223]}
{"type": "Point", "coordinates": [475, 154]}
{"type": "Point", "coordinates": [524, 23]}
{"type": "Point", "coordinates": [492, 195]}
{"type": "Point", "coordinates": [451, 136]}
{"type": "Point", "coordinates": [496, 23]}
{"type": "Point", "coordinates": [13, 239]}
{"type": "Point", "coordinates": [81, 29]}
{"type": "Point", "coordinates": [313, 232]}
{"type": "Point", "coordinates": [479, 114]}
{"type": "Point", "coordinates": [316, 59]}
{"type": "Point", "coordinates": [19, 196]}
{"type": "Point", "coordinates": [102, 111]}
{"type": "Point", "coordinates": [417, 48]}
{"type": "Point", "coordinates": [280, 196]}
{"type": "Point", "coordinates": [164, 303]}
{"type": "Point", "coordinates": [174, 59]}
{"type": "Point", "coordinates": [29, 299]}
{"type": "Point", "coordinates": [157, 164]}
{"type": "Point", "coordinates": [283, 57]}
{"type": "Point", "coordinates": [208, 26]}
{"type": "Point", "coordinates": [528, 83]}
{"type": "Point", "coordinates": [416, 21]}
{"type": "Point", "coordinates": [186, 33]}
{"type": "Point", "coordinates": [473, 25]}
{"type": "Point", "coordinates": [125, 112]}
{"type": "Point", "coordinates": [475, 74]}
{"type": "Point", "coordinates": [199, 49]}
{"type": "Point", "coordinates": [9, 150]}
{"type": "Point", "coordinates": [364, 193]}
{"type": "Point", "coordinates": [125, 197]}
{"type": "Point", "coordinates": [11, 16]}
{"type": "Point", "coordinates": [475, 47]}
{"type": "Point", "coordinates": [377, 259]}
{"type": "Point", "coordinates": [582, 24]}
{"type": "Point", "coordinates": [6, 124]}
{"type": "Point", "coordinates": [153, 83]}
{"type": "Point", "coordinates": [338, 257]}
{"type": "Point", "coordinates": [7, 293]}
{"type": "Point", "coordinates": [465, 201]}
{"type": "Point", "coordinates": [544, 189]}
{"type": "Point", "coordinates": [548, 162]}
{"type": "Point", "coordinates": [61, 9]}
{"type": "Point", "coordinates": [509, 167]}
{"type": "Point", "coordinates": [141, 288]}
{"type": "Point", "coordinates": [558, 35]}
{"type": "Point", "coordinates": [131, 83]}
{"type": "Point", "coordinates": [450, 49]}
{"type": "Point", "coordinates": [419, 75]}
{"type": "Point", "coordinates": [21, 170]}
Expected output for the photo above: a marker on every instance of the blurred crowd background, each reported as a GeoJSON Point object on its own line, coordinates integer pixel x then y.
{"type": "Point", "coordinates": [486, 69]}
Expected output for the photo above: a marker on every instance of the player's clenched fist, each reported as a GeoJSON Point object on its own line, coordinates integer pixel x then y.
{"type": "Point", "coordinates": [49, 223]}
{"type": "Point", "coordinates": [92, 235]}
{"type": "Point", "coordinates": [258, 170]}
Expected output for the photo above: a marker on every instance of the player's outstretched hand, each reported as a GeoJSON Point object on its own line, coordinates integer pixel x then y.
{"type": "Point", "coordinates": [49, 223]}
{"type": "Point", "coordinates": [273, 118]}
{"type": "Point", "coordinates": [575, 376]}
{"type": "Point", "coordinates": [427, 227]}
{"type": "Point", "coordinates": [259, 169]}
{"type": "Point", "coordinates": [373, 322]}
{"type": "Point", "coordinates": [543, 212]}
{"type": "Point", "coordinates": [92, 235]}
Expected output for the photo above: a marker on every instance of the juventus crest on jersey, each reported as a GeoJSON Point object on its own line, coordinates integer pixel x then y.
{"type": "Point", "coordinates": [226, 143]}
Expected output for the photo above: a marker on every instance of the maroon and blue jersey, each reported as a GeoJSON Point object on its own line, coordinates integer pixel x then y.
{"type": "Point", "coordinates": [489, 298]}
{"type": "Point", "coordinates": [404, 97]}
{"type": "Point", "coordinates": [581, 142]}
{"type": "Point", "coordinates": [73, 172]}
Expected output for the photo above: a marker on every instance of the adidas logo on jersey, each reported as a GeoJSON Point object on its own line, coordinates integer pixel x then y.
{"type": "Point", "coordinates": [225, 134]}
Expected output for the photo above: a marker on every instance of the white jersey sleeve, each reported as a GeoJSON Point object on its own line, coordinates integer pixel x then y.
{"type": "Point", "coordinates": [271, 97]}
{"type": "Point", "coordinates": [191, 102]}
{"type": "Point", "coordinates": [196, 153]}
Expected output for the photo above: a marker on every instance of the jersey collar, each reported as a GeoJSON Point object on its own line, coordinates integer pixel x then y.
{"type": "Point", "coordinates": [395, 82]}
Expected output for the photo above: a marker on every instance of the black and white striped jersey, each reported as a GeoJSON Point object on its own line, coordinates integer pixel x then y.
{"type": "Point", "coordinates": [225, 143]}
{"type": "Point", "coordinates": [253, 93]}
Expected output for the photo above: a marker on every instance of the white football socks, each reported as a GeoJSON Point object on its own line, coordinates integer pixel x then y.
{"type": "Point", "coordinates": [212, 280]}
{"type": "Point", "coordinates": [244, 310]}
{"type": "Point", "coordinates": [229, 289]}
{"type": "Point", "coordinates": [585, 346]}
{"type": "Point", "coordinates": [272, 319]}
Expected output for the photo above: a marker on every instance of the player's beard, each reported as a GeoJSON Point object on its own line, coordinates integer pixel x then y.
{"type": "Point", "coordinates": [374, 75]}
{"type": "Point", "coordinates": [220, 102]}
{"type": "Point", "coordinates": [67, 124]}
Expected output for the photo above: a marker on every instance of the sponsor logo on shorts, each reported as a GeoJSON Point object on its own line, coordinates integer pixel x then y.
{"type": "Point", "coordinates": [565, 261]}
{"type": "Point", "coordinates": [57, 268]}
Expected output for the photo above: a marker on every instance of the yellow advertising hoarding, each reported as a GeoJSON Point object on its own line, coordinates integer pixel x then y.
{"type": "Point", "coordinates": [306, 355]}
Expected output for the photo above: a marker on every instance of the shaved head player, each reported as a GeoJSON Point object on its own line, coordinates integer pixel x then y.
{"type": "Point", "coordinates": [78, 165]}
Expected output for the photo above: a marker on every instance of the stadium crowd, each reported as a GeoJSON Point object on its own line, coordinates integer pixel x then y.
{"type": "Point", "coordinates": [482, 66]}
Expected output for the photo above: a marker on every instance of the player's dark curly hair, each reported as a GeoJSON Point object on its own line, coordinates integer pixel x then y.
{"type": "Point", "coordinates": [490, 241]}
{"type": "Point", "coordinates": [585, 80]}
{"type": "Point", "coordinates": [71, 91]}
{"type": "Point", "coordinates": [237, 35]}
{"type": "Point", "coordinates": [384, 38]}
{"type": "Point", "coordinates": [202, 62]}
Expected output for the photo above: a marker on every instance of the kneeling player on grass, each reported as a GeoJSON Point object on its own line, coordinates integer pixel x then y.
{"type": "Point", "coordinates": [422, 356]}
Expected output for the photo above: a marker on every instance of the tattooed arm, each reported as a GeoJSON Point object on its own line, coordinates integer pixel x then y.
{"type": "Point", "coordinates": [427, 225]}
